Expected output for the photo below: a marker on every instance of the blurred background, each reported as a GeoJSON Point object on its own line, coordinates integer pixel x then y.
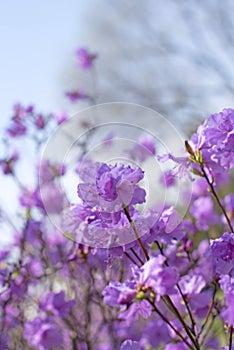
{"type": "Point", "coordinates": [173, 56]}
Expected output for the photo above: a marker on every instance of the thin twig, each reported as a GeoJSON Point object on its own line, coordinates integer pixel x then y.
{"type": "Point", "coordinates": [126, 211]}
{"type": "Point", "coordinates": [217, 198]}
{"type": "Point", "coordinates": [170, 324]}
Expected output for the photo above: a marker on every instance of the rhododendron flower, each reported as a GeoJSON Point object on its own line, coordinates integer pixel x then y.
{"type": "Point", "coordinates": [144, 148]}
{"type": "Point", "coordinates": [222, 254]}
{"type": "Point", "coordinates": [53, 198]}
{"type": "Point", "coordinates": [153, 276]}
{"type": "Point", "coordinates": [227, 285]}
{"type": "Point", "coordinates": [75, 95]}
{"type": "Point", "coordinates": [42, 334]}
{"type": "Point", "coordinates": [48, 171]}
{"type": "Point", "coordinates": [215, 139]}
{"type": "Point", "coordinates": [111, 187]}
{"type": "Point", "coordinates": [17, 129]}
{"type": "Point", "coordinates": [167, 178]}
{"type": "Point", "coordinates": [85, 58]}
{"type": "Point", "coordinates": [55, 303]}
{"type": "Point", "coordinates": [60, 117]}
{"type": "Point", "coordinates": [167, 227]}
{"type": "Point", "coordinates": [202, 210]}
{"type": "Point", "coordinates": [8, 164]}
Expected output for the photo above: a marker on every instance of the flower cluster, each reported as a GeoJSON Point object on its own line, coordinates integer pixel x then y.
{"type": "Point", "coordinates": [117, 272]}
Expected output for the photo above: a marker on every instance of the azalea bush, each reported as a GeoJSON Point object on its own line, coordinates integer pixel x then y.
{"type": "Point", "coordinates": [106, 272]}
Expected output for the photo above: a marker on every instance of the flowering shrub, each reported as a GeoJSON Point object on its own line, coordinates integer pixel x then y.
{"type": "Point", "coordinates": [113, 275]}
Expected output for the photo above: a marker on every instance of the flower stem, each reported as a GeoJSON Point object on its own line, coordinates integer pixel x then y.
{"type": "Point", "coordinates": [126, 211]}
{"type": "Point", "coordinates": [217, 198]}
{"type": "Point", "coordinates": [186, 328]}
{"type": "Point", "coordinates": [230, 338]}
{"type": "Point", "coordinates": [170, 324]}
{"type": "Point", "coordinates": [208, 312]}
{"type": "Point", "coordinates": [193, 323]}
{"type": "Point", "coordinates": [130, 258]}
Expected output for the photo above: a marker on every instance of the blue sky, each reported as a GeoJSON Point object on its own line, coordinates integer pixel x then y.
{"type": "Point", "coordinates": [37, 40]}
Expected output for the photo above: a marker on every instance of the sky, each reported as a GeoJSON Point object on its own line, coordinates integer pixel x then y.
{"type": "Point", "coordinates": [37, 39]}
{"type": "Point", "coordinates": [37, 42]}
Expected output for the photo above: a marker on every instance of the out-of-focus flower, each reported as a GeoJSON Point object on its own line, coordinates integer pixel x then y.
{"type": "Point", "coordinates": [17, 129]}
{"type": "Point", "coordinates": [48, 171]}
{"type": "Point", "coordinates": [202, 210]}
{"type": "Point", "coordinates": [117, 293]}
{"type": "Point", "coordinates": [168, 179]}
{"type": "Point", "coordinates": [75, 95]}
{"type": "Point", "coordinates": [43, 335]}
{"type": "Point", "coordinates": [85, 58]}
{"type": "Point", "coordinates": [227, 285]}
{"type": "Point", "coordinates": [60, 117]}
{"type": "Point", "coordinates": [7, 164]}
{"type": "Point", "coordinates": [52, 198]}
{"type": "Point", "coordinates": [229, 206]}
{"type": "Point", "coordinates": [144, 148]}
{"type": "Point", "coordinates": [182, 164]}
{"type": "Point", "coordinates": [222, 254]}
{"type": "Point", "coordinates": [167, 227]}
{"type": "Point", "coordinates": [40, 121]}
{"type": "Point", "coordinates": [56, 304]}
{"type": "Point", "coordinates": [130, 345]}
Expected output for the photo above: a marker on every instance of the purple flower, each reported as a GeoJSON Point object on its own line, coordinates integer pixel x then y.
{"type": "Point", "coordinates": [35, 267]}
{"type": "Point", "coordinates": [17, 129]}
{"type": "Point", "coordinates": [155, 276]}
{"type": "Point", "coordinates": [29, 198]}
{"type": "Point", "coordinates": [202, 210]}
{"type": "Point", "coordinates": [85, 58]}
{"type": "Point", "coordinates": [48, 171]}
{"type": "Point", "coordinates": [182, 164]}
{"type": "Point", "coordinates": [168, 227]}
{"type": "Point", "coordinates": [4, 343]}
{"type": "Point", "coordinates": [31, 233]}
{"type": "Point", "coordinates": [227, 285]}
{"type": "Point", "coordinates": [60, 117]}
{"type": "Point", "coordinates": [8, 164]}
{"type": "Point", "coordinates": [43, 335]}
{"type": "Point", "coordinates": [110, 187]}
{"type": "Point", "coordinates": [155, 333]}
{"type": "Point", "coordinates": [117, 293]}
{"type": "Point", "coordinates": [130, 345]}
{"type": "Point", "coordinates": [52, 197]}
{"type": "Point", "coordinates": [19, 112]}
{"type": "Point", "coordinates": [222, 254]}
{"type": "Point", "coordinates": [192, 284]}
{"type": "Point", "coordinates": [167, 179]}
{"type": "Point", "coordinates": [211, 146]}
{"type": "Point", "coordinates": [108, 139]}
{"type": "Point", "coordinates": [75, 95]}
{"type": "Point", "coordinates": [55, 303]}
{"type": "Point", "coordinates": [144, 148]}
{"type": "Point", "coordinates": [215, 139]}
{"type": "Point", "coordinates": [40, 121]}
{"type": "Point", "coordinates": [229, 205]}
{"type": "Point", "coordinates": [140, 308]}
